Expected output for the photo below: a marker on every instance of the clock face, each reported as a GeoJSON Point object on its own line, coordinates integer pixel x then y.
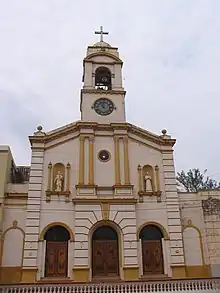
{"type": "Point", "coordinates": [103, 106]}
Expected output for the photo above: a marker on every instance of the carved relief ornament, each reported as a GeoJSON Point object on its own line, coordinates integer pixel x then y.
{"type": "Point", "coordinates": [211, 206]}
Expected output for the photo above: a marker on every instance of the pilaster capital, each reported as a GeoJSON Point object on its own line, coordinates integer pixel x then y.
{"type": "Point", "coordinates": [156, 168]}
{"type": "Point", "coordinates": [125, 139]}
{"type": "Point", "coordinates": [91, 139]}
{"type": "Point", "coordinates": [116, 138]}
{"type": "Point", "coordinates": [82, 138]}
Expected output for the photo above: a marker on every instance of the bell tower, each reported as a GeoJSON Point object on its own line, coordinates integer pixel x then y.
{"type": "Point", "coordinates": [102, 95]}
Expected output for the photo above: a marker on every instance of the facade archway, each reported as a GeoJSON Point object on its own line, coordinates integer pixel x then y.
{"type": "Point", "coordinates": [152, 251]}
{"type": "Point", "coordinates": [105, 252]}
{"type": "Point", "coordinates": [56, 258]}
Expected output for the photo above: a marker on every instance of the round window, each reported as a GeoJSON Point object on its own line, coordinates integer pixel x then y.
{"type": "Point", "coordinates": [104, 156]}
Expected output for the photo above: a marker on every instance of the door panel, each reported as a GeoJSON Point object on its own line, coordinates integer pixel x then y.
{"type": "Point", "coordinates": [50, 259]}
{"type": "Point", "coordinates": [111, 247]}
{"type": "Point", "coordinates": [152, 257]}
{"type": "Point", "coordinates": [98, 260]}
{"type": "Point", "coordinates": [56, 259]}
{"type": "Point", "coordinates": [105, 258]}
{"type": "Point", "coordinates": [62, 257]}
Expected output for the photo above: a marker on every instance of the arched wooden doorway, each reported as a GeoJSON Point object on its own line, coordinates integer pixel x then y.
{"type": "Point", "coordinates": [105, 257]}
{"type": "Point", "coordinates": [56, 259]}
{"type": "Point", "coordinates": [152, 252]}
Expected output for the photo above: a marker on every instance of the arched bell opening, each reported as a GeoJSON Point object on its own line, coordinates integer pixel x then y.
{"type": "Point", "coordinates": [103, 78]}
{"type": "Point", "coordinates": [152, 251]}
{"type": "Point", "coordinates": [56, 258]}
{"type": "Point", "coordinates": [105, 254]}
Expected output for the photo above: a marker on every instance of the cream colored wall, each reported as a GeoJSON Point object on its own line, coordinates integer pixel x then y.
{"type": "Point", "coordinates": [212, 230]}
{"type": "Point", "coordinates": [14, 213]}
{"type": "Point", "coordinates": [104, 174]}
{"type": "Point", "coordinates": [192, 249]}
{"type": "Point", "coordinates": [104, 171]}
{"type": "Point", "coordinates": [123, 219]}
{"type": "Point", "coordinates": [13, 248]}
{"type": "Point", "coordinates": [143, 154]}
{"type": "Point", "coordinates": [90, 115]}
{"type": "Point", "coordinates": [191, 213]}
{"type": "Point", "coordinates": [13, 235]}
{"type": "Point", "coordinates": [150, 211]}
{"type": "Point", "coordinates": [65, 153]}
{"type": "Point", "coordinates": [58, 210]}
{"type": "Point", "coordinates": [5, 159]}
{"type": "Point", "coordinates": [88, 99]}
{"type": "Point", "coordinates": [112, 50]}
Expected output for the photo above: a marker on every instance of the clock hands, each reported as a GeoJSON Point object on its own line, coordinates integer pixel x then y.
{"type": "Point", "coordinates": [103, 106]}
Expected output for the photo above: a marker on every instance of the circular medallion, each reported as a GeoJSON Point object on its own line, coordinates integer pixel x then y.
{"type": "Point", "coordinates": [103, 106]}
{"type": "Point", "coordinates": [104, 156]}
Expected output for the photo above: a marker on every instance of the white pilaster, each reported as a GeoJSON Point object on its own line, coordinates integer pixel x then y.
{"type": "Point", "coordinates": [173, 212]}
{"type": "Point", "coordinates": [33, 208]}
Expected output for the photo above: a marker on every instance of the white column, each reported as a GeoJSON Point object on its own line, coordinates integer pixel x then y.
{"type": "Point", "coordinates": [140, 257]}
{"type": "Point", "coordinates": [165, 265]}
{"type": "Point", "coordinates": [43, 256]}
{"type": "Point", "coordinates": [169, 270]}
{"type": "Point", "coordinates": [70, 258]}
{"type": "Point", "coordinates": [39, 260]}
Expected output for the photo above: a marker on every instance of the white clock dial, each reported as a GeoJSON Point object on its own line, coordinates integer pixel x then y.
{"type": "Point", "coordinates": [103, 106]}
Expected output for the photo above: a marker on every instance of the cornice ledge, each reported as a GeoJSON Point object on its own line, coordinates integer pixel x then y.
{"type": "Point", "coordinates": [74, 127]}
{"type": "Point", "coordinates": [102, 53]}
{"type": "Point", "coordinates": [103, 92]}
{"type": "Point", "coordinates": [36, 139]}
{"type": "Point", "coordinates": [150, 136]}
{"type": "Point", "coordinates": [105, 200]}
{"type": "Point", "coordinates": [62, 131]}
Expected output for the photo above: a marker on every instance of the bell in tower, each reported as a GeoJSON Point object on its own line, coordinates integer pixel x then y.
{"type": "Point", "coordinates": [103, 78]}
{"type": "Point", "coordinates": [102, 96]}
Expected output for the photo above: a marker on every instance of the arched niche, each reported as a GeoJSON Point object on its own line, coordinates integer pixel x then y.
{"type": "Point", "coordinates": [105, 252]}
{"type": "Point", "coordinates": [103, 79]}
{"type": "Point", "coordinates": [193, 247]}
{"type": "Point", "coordinates": [58, 174]}
{"type": "Point", "coordinates": [13, 254]}
{"type": "Point", "coordinates": [56, 257]}
{"type": "Point", "coordinates": [148, 170]}
{"type": "Point", "coordinates": [152, 250]}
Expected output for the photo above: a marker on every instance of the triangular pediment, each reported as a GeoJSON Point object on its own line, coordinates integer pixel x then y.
{"type": "Point", "coordinates": [73, 130]}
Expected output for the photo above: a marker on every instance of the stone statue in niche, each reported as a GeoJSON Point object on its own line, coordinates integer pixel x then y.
{"type": "Point", "coordinates": [148, 183]}
{"type": "Point", "coordinates": [58, 182]}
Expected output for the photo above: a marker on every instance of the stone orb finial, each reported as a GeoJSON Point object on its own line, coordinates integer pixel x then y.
{"type": "Point", "coordinates": [164, 131]}
{"type": "Point", "coordinates": [39, 128]}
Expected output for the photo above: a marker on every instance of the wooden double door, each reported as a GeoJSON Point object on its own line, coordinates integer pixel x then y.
{"type": "Point", "coordinates": [56, 262]}
{"type": "Point", "coordinates": [105, 261]}
{"type": "Point", "coordinates": [152, 256]}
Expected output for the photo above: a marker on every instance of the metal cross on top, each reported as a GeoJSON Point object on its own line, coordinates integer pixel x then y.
{"type": "Point", "coordinates": [101, 33]}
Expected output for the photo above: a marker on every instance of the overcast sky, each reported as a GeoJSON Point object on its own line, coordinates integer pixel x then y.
{"type": "Point", "coordinates": [171, 55]}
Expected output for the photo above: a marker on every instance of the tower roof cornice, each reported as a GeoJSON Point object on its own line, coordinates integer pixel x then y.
{"type": "Point", "coordinates": [89, 57]}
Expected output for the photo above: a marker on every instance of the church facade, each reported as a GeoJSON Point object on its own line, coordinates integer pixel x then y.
{"type": "Point", "coordinates": [99, 200]}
